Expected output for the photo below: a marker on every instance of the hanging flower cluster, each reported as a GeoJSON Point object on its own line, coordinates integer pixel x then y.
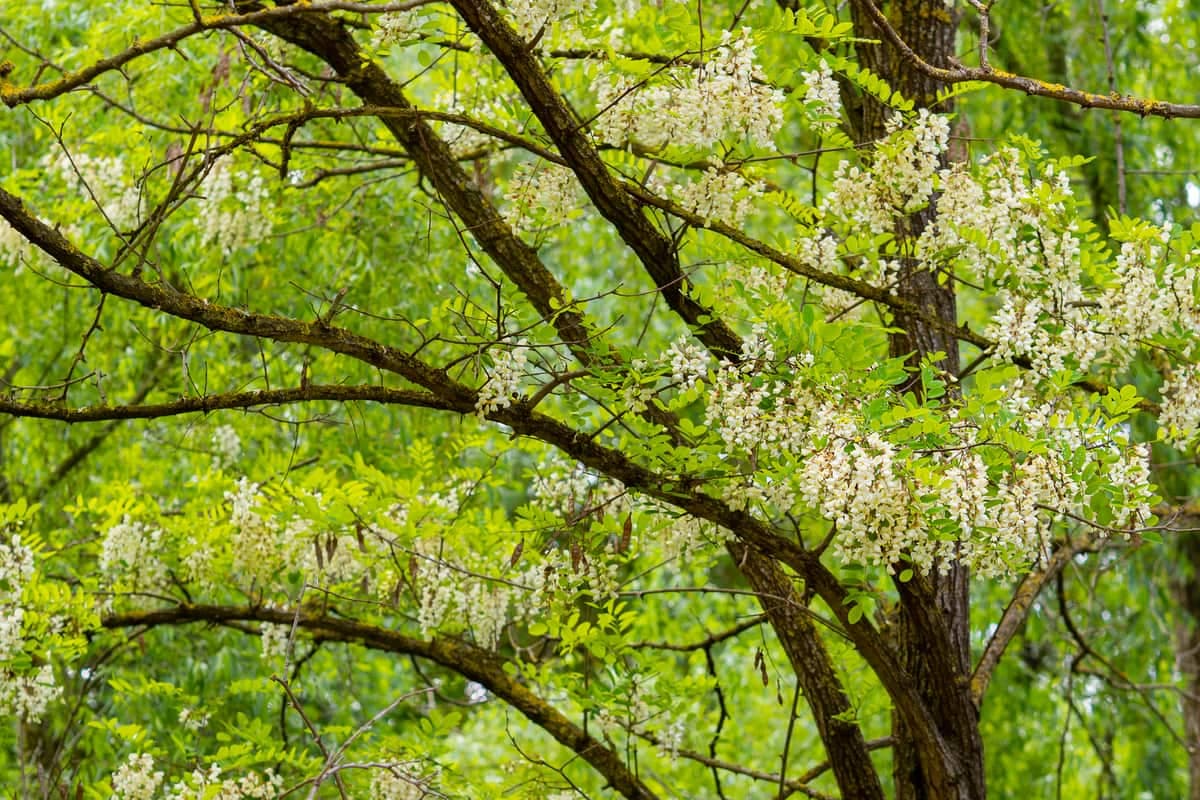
{"type": "Point", "coordinates": [726, 96]}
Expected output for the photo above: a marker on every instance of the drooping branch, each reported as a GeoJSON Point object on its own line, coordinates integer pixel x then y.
{"type": "Point", "coordinates": [474, 663]}
{"type": "Point", "coordinates": [328, 40]}
{"type": "Point", "coordinates": [1030, 86]}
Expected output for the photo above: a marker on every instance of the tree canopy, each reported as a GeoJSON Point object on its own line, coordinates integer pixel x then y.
{"type": "Point", "coordinates": [532, 399]}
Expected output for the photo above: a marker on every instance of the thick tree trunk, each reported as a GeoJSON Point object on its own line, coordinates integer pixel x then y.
{"type": "Point", "coordinates": [932, 629]}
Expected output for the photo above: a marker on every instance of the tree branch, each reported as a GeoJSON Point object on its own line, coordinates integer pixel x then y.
{"type": "Point", "coordinates": [473, 663]}
{"type": "Point", "coordinates": [1015, 614]}
{"type": "Point", "coordinates": [655, 250]}
{"type": "Point", "coordinates": [827, 699]}
{"type": "Point", "coordinates": [1030, 86]}
{"type": "Point", "coordinates": [216, 402]}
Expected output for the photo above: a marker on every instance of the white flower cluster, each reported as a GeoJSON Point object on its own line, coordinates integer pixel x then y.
{"type": "Point", "coordinates": [401, 781]}
{"type": "Point", "coordinates": [193, 720]}
{"type": "Point", "coordinates": [255, 545]}
{"type": "Point", "coordinates": [541, 197]}
{"type": "Point", "coordinates": [1180, 418]}
{"type": "Point", "coordinates": [721, 195]}
{"type": "Point", "coordinates": [536, 16]}
{"type": "Point", "coordinates": [899, 180]}
{"type": "Point", "coordinates": [749, 410]}
{"type": "Point", "coordinates": [1020, 328]}
{"type": "Point", "coordinates": [105, 177]}
{"type": "Point", "coordinates": [28, 695]}
{"type": "Point", "coordinates": [208, 785]}
{"type": "Point", "coordinates": [823, 97]}
{"type": "Point", "coordinates": [232, 212]}
{"type": "Point", "coordinates": [15, 249]}
{"type": "Point", "coordinates": [395, 26]}
{"type": "Point", "coordinates": [445, 596]}
{"type": "Point", "coordinates": [671, 738]}
{"type": "Point", "coordinates": [987, 222]}
{"type": "Point", "coordinates": [1149, 294]}
{"type": "Point", "coordinates": [227, 445]}
{"type": "Point", "coordinates": [23, 694]}
{"type": "Point", "coordinates": [571, 490]}
{"type": "Point", "coordinates": [818, 251]}
{"type": "Point", "coordinates": [262, 546]}
{"type": "Point", "coordinates": [971, 501]}
{"type": "Point", "coordinates": [689, 362]}
{"type": "Point", "coordinates": [930, 513]}
{"type": "Point", "coordinates": [276, 639]}
{"type": "Point", "coordinates": [685, 535]}
{"type": "Point", "coordinates": [760, 280]}
{"type": "Point", "coordinates": [504, 379]}
{"type": "Point", "coordinates": [725, 96]}
{"type": "Point", "coordinates": [855, 485]}
{"type": "Point", "coordinates": [1015, 232]}
{"type": "Point", "coordinates": [136, 779]}
{"type": "Point", "coordinates": [129, 555]}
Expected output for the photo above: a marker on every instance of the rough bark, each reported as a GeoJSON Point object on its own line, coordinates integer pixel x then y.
{"type": "Point", "coordinates": [932, 628]}
{"type": "Point", "coordinates": [786, 610]}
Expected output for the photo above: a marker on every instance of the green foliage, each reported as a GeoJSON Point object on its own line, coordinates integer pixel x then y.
{"type": "Point", "coordinates": [505, 520]}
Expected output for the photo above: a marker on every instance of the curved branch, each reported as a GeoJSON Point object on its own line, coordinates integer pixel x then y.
{"type": "Point", "coordinates": [1017, 612]}
{"type": "Point", "coordinates": [1030, 86]}
{"type": "Point", "coordinates": [474, 663]}
{"type": "Point", "coordinates": [217, 402]}
{"type": "Point", "coordinates": [223, 318]}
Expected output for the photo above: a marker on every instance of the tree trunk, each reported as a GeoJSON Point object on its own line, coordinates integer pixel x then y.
{"type": "Point", "coordinates": [932, 630]}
